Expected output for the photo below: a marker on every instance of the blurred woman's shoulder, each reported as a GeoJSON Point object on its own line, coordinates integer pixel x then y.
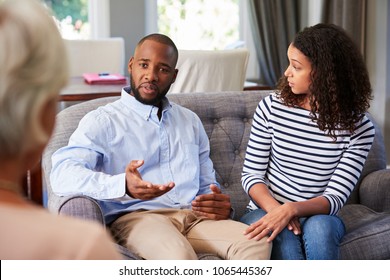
{"type": "Point", "coordinates": [35, 233]}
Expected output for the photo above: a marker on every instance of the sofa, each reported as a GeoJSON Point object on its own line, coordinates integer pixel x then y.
{"type": "Point", "coordinates": [227, 118]}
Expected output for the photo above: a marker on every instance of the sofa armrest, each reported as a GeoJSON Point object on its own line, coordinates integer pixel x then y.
{"type": "Point", "coordinates": [82, 207]}
{"type": "Point", "coordinates": [374, 191]}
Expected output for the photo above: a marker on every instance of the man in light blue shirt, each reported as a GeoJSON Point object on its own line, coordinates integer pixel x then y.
{"type": "Point", "coordinates": [146, 161]}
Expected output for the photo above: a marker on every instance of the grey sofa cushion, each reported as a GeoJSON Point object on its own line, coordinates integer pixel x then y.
{"type": "Point", "coordinates": [368, 233]}
{"type": "Point", "coordinates": [374, 191]}
{"type": "Point", "coordinates": [376, 160]}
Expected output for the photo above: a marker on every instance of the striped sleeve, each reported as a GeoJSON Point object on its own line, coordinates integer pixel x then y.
{"type": "Point", "coordinates": [259, 146]}
{"type": "Point", "coordinates": [350, 166]}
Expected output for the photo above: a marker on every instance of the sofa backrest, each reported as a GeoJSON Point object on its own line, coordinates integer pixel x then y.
{"type": "Point", "coordinates": [376, 160]}
{"type": "Point", "coordinates": [227, 118]}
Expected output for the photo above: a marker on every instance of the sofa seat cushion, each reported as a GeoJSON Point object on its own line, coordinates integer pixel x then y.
{"type": "Point", "coordinates": [207, 256]}
{"type": "Point", "coordinates": [367, 233]}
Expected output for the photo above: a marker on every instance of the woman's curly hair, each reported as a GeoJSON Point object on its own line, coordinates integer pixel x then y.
{"type": "Point", "coordinates": [340, 89]}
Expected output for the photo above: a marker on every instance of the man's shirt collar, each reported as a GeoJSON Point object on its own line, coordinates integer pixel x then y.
{"type": "Point", "coordinates": [145, 111]}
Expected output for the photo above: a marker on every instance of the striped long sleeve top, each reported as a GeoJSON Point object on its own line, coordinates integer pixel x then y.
{"type": "Point", "coordinates": [298, 161]}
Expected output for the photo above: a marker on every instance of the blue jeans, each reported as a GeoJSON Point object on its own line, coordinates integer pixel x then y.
{"type": "Point", "coordinates": [320, 238]}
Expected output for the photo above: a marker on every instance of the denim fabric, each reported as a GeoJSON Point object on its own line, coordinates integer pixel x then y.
{"type": "Point", "coordinates": [320, 238]}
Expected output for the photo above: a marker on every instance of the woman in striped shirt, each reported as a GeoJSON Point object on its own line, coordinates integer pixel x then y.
{"type": "Point", "coordinates": [308, 144]}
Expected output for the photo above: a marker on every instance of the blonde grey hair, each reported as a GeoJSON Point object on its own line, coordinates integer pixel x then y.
{"type": "Point", "coordinates": [33, 69]}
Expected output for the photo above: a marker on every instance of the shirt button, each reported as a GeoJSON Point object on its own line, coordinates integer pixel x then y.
{"type": "Point", "coordinates": [226, 185]}
{"type": "Point", "coordinates": [245, 120]}
{"type": "Point", "coordinates": [215, 120]}
{"type": "Point", "coordinates": [237, 152]}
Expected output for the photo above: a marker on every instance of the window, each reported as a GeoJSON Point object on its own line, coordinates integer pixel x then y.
{"type": "Point", "coordinates": [71, 17]}
{"type": "Point", "coordinates": [199, 24]}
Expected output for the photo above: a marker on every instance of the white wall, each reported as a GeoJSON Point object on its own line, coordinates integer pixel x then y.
{"type": "Point", "coordinates": [128, 20]}
{"type": "Point", "coordinates": [99, 18]}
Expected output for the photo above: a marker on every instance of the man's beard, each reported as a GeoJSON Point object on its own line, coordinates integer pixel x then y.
{"type": "Point", "coordinates": [155, 101]}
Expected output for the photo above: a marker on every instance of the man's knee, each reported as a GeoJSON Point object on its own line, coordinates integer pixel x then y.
{"type": "Point", "coordinates": [154, 236]}
{"type": "Point", "coordinates": [250, 250]}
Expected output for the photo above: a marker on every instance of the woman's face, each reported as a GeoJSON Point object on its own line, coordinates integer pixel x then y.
{"type": "Point", "coordinates": [298, 72]}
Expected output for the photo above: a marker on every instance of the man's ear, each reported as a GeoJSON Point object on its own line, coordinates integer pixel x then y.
{"type": "Point", "coordinates": [175, 75]}
{"type": "Point", "coordinates": [130, 64]}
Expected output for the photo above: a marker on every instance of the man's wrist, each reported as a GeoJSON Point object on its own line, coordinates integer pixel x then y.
{"type": "Point", "coordinates": [127, 191]}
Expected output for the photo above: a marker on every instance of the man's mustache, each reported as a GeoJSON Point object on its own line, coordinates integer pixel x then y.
{"type": "Point", "coordinates": [149, 86]}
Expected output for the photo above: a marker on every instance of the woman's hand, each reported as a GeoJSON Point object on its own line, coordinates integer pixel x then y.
{"type": "Point", "coordinates": [274, 222]}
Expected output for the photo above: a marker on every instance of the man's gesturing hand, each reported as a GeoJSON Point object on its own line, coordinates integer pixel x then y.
{"type": "Point", "coordinates": [215, 205]}
{"type": "Point", "coordinates": [138, 188]}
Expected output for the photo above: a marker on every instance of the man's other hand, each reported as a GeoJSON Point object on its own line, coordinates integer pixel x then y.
{"type": "Point", "coordinates": [215, 205]}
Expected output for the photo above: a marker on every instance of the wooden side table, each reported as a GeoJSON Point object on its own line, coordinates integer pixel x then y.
{"type": "Point", "coordinates": [78, 90]}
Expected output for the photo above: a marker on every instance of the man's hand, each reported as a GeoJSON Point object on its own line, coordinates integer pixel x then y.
{"type": "Point", "coordinates": [215, 206]}
{"type": "Point", "coordinates": [138, 188]}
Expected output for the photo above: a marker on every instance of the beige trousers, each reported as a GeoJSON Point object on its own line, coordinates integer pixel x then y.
{"type": "Point", "coordinates": [179, 234]}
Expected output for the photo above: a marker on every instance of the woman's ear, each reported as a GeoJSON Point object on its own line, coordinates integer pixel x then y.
{"type": "Point", "coordinates": [46, 119]}
{"type": "Point", "coordinates": [48, 115]}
